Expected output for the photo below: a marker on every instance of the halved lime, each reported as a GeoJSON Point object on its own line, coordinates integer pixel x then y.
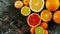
{"type": "Point", "coordinates": [25, 11]}
{"type": "Point", "coordinates": [36, 5]}
{"type": "Point", "coordinates": [39, 30]}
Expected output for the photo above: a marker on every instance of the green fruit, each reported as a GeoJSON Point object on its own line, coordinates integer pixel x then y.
{"type": "Point", "coordinates": [39, 30]}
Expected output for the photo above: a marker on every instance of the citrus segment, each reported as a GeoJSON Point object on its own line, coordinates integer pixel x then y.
{"type": "Point", "coordinates": [33, 20]}
{"type": "Point", "coordinates": [36, 5]}
{"type": "Point", "coordinates": [56, 17]}
{"type": "Point", "coordinates": [25, 11]}
{"type": "Point", "coordinates": [39, 30]}
{"type": "Point", "coordinates": [46, 15]}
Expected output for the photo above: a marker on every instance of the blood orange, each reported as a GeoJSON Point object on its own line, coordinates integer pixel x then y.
{"type": "Point", "coordinates": [33, 20]}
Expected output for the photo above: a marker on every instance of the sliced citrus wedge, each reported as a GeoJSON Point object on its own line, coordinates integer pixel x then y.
{"type": "Point", "coordinates": [36, 5]}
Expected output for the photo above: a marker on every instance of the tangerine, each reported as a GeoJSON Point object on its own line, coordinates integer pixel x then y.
{"type": "Point", "coordinates": [26, 2]}
{"type": "Point", "coordinates": [44, 25]}
{"type": "Point", "coordinates": [56, 17]}
{"type": "Point", "coordinates": [45, 31]}
{"type": "Point", "coordinates": [32, 30]}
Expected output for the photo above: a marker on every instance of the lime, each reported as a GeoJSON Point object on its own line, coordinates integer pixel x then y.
{"type": "Point", "coordinates": [25, 11]}
{"type": "Point", "coordinates": [39, 30]}
{"type": "Point", "coordinates": [36, 5]}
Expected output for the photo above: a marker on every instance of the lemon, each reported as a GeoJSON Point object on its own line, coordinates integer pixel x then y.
{"type": "Point", "coordinates": [25, 11]}
{"type": "Point", "coordinates": [36, 5]}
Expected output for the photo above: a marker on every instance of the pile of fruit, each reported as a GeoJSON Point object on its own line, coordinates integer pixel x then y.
{"type": "Point", "coordinates": [37, 16]}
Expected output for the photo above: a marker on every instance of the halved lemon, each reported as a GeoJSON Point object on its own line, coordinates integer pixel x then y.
{"type": "Point", "coordinates": [36, 5]}
{"type": "Point", "coordinates": [46, 15]}
{"type": "Point", "coordinates": [25, 11]}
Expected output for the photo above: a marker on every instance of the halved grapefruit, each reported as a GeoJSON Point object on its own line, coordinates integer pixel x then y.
{"type": "Point", "coordinates": [33, 20]}
{"type": "Point", "coordinates": [36, 5]}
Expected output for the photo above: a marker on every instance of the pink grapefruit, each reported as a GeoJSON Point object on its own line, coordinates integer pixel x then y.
{"type": "Point", "coordinates": [33, 20]}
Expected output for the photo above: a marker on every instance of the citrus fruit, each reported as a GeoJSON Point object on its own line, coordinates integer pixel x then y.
{"type": "Point", "coordinates": [26, 2]}
{"type": "Point", "coordinates": [56, 17]}
{"type": "Point", "coordinates": [52, 5]}
{"type": "Point", "coordinates": [44, 25]}
{"type": "Point", "coordinates": [46, 15]}
{"type": "Point", "coordinates": [25, 11]}
{"type": "Point", "coordinates": [39, 30]}
{"type": "Point", "coordinates": [32, 30]}
{"type": "Point", "coordinates": [45, 31]}
{"type": "Point", "coordinates": [36, 5]}
{"type": "Point", "coordinates": [33, 20]}
{"type": "Point", "coordinates": [18, 4]}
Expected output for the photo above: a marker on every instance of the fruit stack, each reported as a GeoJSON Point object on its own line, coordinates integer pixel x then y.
{"type": "Point", "coordinates": [39, 13]}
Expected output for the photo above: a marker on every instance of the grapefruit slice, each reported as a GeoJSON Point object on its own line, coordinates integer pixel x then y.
{"type": "Point", "coordinates": [18, 4]}
{"type": "Point", "coordinates": [33, 20]}
{"type": "Point", "coordinates": [25, 11]}
{"type": "Point", "coordinates": [36, 5]}
{"type": "Point", "coordinates": [39, 30]}
{"type": "Point", "coordinates": [46, 15]}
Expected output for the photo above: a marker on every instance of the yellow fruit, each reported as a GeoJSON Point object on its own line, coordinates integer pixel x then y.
{"type": "Point", "coordinates": [25, 11]}
{"type": "Point", "coordinates": [36, 5]}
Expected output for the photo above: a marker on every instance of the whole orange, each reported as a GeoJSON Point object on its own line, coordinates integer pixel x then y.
{"type": "Point", "coordinates": [45, 31]}
{"type": "Point", "coordinates": [52, 5]}
{"type": "Point", "coordinates": [18, 4]}
{"type": "Point", "coordinates": [56, 17]}
{"type": "Point", "coordinates": [44, 25]}
{"type": "Point", "coordinates": [26, 2]}
{"type": "Point", "coordinates": [32, 30]}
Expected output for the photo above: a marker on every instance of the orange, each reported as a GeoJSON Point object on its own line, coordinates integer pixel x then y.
{"type": "Point", "coordinates": [32, 30]}
{"type": "Point", "coordinates": [18, 4]}
{"type": "Point", "coordinates": [46, 15]}
{"type": "Point", "coordinates": [52, 5]}
{"type": "Point", "coordinates": [44, 25]}
{"type": "Point", "coordinates": [56, 17]}
{"type": "Point", "coordinates": [26, 2]}
{"type": "Point", "coordinates": [45, 31]}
